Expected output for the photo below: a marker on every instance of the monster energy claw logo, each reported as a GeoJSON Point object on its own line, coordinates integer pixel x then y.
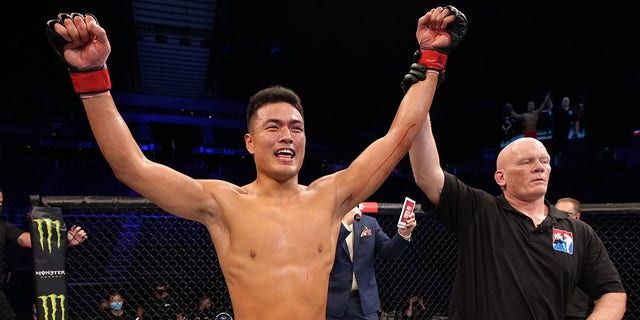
{"type": "Point", "coordinates": [53, 307]}
{"type": "Point", "coordinates": [49, 228]}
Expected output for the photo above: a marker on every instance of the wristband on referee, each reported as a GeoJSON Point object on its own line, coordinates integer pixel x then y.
{"type": "Point", "coordinates": [88, 83]}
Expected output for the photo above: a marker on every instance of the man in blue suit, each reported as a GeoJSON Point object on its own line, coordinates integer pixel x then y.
{"type": "Point", "coordinates": [353, 290]}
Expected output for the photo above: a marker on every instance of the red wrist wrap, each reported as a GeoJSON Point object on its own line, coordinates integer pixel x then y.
{"type": "Point", "coordinates": [433, 59]}
{"type": "Point", "coordinates": [91, 81]}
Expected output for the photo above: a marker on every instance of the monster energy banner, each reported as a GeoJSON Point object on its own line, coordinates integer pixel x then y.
{"type": "Point", "coordinates": [49, 246]}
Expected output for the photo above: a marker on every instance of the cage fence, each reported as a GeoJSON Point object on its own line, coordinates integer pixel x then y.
{"type": "Point", "coordinates": [134, 246]}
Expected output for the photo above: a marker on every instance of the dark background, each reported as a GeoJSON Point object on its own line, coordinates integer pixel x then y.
{"type": "Point", "coordinates": [346, 58]}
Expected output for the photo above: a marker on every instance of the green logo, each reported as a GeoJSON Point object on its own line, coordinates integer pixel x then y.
{"type": "Point", "coordinates": [48, 228]}
{"type": "Point", "coordinates": [53, 307]}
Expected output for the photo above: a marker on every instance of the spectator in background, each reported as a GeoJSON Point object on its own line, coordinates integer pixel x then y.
{"type": "Point", "coordinates": [10, 234]}
{"type": "Point", "coordinates": [353, 289]}
{"type": "Point", "coordinates": [564, 121]}
{"type": "Point", "coordinates": [416, 309]}
{"type": "Point", "coordinates": [161, 305]}
{"type": "Point", "coordinates": [201, 312]}
{"type": "Point", "coordinates": [117, 309]}
{"type": "Point", "coordinates": [579, 124]}
{"type": "Point", "coordinates": [578, 307]}
{"type": "Point", "coordinates": [507, 128]}
{"type": "Point", "coordinates": [102, 308]}
{"type": "Point", "coordinates": [507, 123]}
{"type": "Point", "coordinates": [531, 116]}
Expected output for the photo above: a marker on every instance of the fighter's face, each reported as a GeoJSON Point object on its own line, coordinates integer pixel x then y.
{"type": "Point", "coordinates": [277, 140]}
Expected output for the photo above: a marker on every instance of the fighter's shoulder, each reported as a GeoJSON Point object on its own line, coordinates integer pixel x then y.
{"type": "Point", "coordinates": [322, 182]}
{"type": "Point", "coordinates": [217, 185]}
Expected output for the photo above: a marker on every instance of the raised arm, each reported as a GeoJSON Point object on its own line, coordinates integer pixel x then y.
{"type": "Point", "coordinates": [438, 32]}
{"type": "Point", "coordinates": [425, 163]}
{"type": "Point", "coordinates": [546, 104]}
{"type": "Point", "coordinates": [509, 108]}
{"type": "Point", "coordinates": [83, 45]}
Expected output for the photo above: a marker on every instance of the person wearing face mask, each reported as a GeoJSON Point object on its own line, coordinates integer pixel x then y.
{"type": "Point", "coordinates": [117, 309]}
{"type": "Point", "coordinates": [161, 305]}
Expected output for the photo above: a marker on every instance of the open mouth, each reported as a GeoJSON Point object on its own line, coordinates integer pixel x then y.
{"type": "Point", "coordinates": [285, 153]}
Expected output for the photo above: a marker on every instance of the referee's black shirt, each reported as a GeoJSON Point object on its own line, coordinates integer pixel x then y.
{"type": "Point", "coordinates": [510, 269]}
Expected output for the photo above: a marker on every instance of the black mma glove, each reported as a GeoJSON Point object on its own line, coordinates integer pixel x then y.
{"type": "Point", "coordinates": [86, 82]}
{"type": "Point", "coordinates": [417, 72]}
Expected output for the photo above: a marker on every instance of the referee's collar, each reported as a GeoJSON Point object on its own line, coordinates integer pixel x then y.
{"type": "Point", "coordinates": [553, 212]}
